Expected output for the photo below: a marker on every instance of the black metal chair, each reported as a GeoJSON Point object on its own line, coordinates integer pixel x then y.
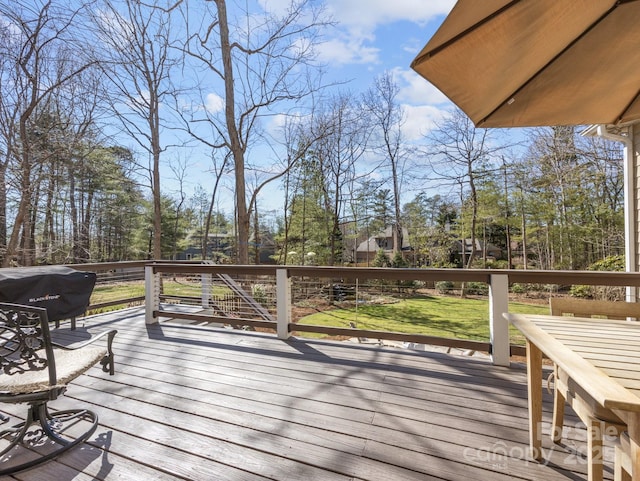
{"type": "Point", "coordinates": [35, 370]}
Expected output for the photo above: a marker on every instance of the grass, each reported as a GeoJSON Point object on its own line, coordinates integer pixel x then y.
{"type": "Point", "coordinates": [122, 290]}
{"type": "Point", "coordinates": [440, 316]}
{"type": "Point", "coordinates": [112, 292]}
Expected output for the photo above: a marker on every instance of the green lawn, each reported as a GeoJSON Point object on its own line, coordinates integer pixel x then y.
{"type": "Point", "coordinates": [442, 316]}
{"type": "Point", "coordinates": [450, 317]}
{"type": "Point", "coordinates": [112, 292]}
{"type": "Point", "coordinates": [122, 290]}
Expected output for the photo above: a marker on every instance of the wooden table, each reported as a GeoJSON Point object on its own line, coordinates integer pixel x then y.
{"type": "Point", "coordinates": [601, 356]}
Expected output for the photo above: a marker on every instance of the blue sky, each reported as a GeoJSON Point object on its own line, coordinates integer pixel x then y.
{"type": "Point", "coordinates": [372, 36]}
{"type": "Point", "coordinates": [369, 38]}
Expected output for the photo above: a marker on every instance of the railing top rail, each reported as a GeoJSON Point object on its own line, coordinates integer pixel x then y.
{"type": "Point", "coordinates": [105, 266]}
{"type": "Point", "coordinates": [562, 277]}
{"type": "Point", "coordinates": [598, 278]}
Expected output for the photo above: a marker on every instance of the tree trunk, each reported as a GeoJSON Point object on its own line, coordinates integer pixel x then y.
{"type": "Point", "coordinates": [256, 236]}
{"type": "Point", "coordinates": [3, 204]}
{"type": "Point", "coordinates": [507, 216]}
{"type": "Point", "coordinates": [157, 203]}
{"type": "Point", "coordinates": [242, 214]}
{"type": "Point", "coordinates": [22, 219]}
{"type": "Point", "coordinates": [73, 208]}
{"type": "Point", "coordinates": [85, 240]}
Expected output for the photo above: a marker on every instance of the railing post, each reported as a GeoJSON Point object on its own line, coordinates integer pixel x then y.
{"type": "Point", "coordinates": [499, 326]}
{"type": "Point", "coordinates": [207, 284]}
{"type": "Point", "coordinates": [283, 303]}
{"type": "Point", "coordinates": [151, 294]}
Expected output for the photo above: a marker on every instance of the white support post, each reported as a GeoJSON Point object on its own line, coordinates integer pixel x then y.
{"type": "Point", "coordinates": [499, 326]}
{"type": "Point", "coordinates": [631, 235]}
{"type": "Point", "coordinates": [283, 303]}
{"type": "Point", "coordinates": [206, 281]}
{"type": "Point", "coordinates": [631, 163]}
{"type": "Point", "coordinates": [151, 294]}
{"type": "Point", "coordinates": [207, 284]}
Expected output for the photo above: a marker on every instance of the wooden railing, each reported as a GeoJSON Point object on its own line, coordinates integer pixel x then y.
{"type": "Point", "coordinates": [281, 276]}
{"type": "Point", "coordinates": [287, 283]}
{"type": "Point", "coordinates": [115, 272]}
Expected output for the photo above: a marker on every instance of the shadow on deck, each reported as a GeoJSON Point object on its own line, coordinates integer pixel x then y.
{"type": "Point", "coordinates": [198, 403]}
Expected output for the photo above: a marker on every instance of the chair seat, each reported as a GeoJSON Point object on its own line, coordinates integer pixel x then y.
{"type": "Point", "coordinates": [69, 365]}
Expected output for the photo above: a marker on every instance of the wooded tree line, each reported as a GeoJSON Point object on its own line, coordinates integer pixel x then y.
{"type": "Point", "coordinates": [94, 103]}
{"type": "Point", "coordinates": [558, 202]}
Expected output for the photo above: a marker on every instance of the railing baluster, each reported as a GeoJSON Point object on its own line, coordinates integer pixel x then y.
{"type": "Point", "coordinates": [498, 281]}
{"type": "Point", "coordinates": [498, 325]}
{"type": "Point", "coordinates": [152, 294]}
{"type": "Point", "coordinates": [283, 303]}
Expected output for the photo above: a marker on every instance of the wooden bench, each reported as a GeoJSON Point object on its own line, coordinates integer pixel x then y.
{"type": "Point", "coordinates": [563, 306]}
{"type": "Point", "coordinates": [589, 411]}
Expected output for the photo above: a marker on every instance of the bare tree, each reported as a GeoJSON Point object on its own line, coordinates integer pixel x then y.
{"type": "Point", "coordinates": [460, 154]}
{"type": "Point", "coordinates": [381, 101]}
{"type": "Point", "coordinates": [262, 62]}
{"type": "Point", "coordinates": [347, 132]}
{"type": "Point", "coordinates": [219, 170]}
{"type": "Point", "coordinates": [179, 167]}
{"type": "Point", "coordinates": [40, 37]}
{"type": "Point", "coordinates": [554, 169]}
{"type": "Point", "coordinates": [11, 97]}
{"type": "Point", "coordinates": [134, 48]}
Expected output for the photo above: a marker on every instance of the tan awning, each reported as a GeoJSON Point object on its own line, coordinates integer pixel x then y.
{"type": "Point", "coordinates": [538, 62]}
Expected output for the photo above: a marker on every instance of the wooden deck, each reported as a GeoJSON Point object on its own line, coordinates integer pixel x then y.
{"type": "Point", "coordinates": [195, 403]}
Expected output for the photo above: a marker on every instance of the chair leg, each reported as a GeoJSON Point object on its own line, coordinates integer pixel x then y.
{"type": "Point", "coordinates": [16, 433]}
{"type": "Point", "coordinates": [53, 426]}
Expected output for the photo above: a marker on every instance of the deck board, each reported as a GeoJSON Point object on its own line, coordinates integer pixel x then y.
{"type": "Point", "coordinates": [197, 403]}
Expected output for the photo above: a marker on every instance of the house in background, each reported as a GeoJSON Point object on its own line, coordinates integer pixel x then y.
{"type": "Point", "coordinates": [219, 248]}
{"type": "Point", "coordinates": [481, 249]}
{"type": "Point", "coordinates": [367, 249]}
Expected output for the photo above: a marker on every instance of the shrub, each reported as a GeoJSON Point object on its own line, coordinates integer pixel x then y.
{"type": "Point", "coordinates": [260, 293]}
{"type": "Point", "coordinates": [398, 260]}
{"type": "Point", "coordinates": [498, 264]}
{"type": "Point", "coordinates": [477, 288]}
{"type": "Point", "coordinates": [581, 291]}
{"type": "Point", "coordinates": [381, 259]}
{"type": "Point", "coordinates": [518, 288]}
{"type": "Point", "coordinates": [611, 293]}
{"type": "Point", "coordinates": [443, 287]}
{"type": "Point", "coordinates": [611, 263]}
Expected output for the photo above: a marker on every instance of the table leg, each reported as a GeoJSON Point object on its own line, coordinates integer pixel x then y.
{"type": "Point", "coordinates": [622, 468]}
{"type": "Point", "coordinates": [534, 376]}
{"type": "Point", "coordinates": [559, 401]}
{"type": "Point", "coordinates": [595, 430]}
{"type": "Point", "coordinates": [633, 425]}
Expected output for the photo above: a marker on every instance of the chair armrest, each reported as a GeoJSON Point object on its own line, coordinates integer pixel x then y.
{"type": "Point", "coordinates": [107, 361]}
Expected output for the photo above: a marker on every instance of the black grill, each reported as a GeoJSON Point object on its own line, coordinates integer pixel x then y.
{"type": "Point", "coordinates": [62, 291]}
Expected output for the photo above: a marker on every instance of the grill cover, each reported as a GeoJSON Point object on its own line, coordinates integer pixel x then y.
{"type": "Point", "coordinates": [63, 291]}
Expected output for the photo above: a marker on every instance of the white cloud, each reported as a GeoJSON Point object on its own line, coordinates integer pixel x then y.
{"type": "Point", "coordinates": [214, 103]}
{"type": "Point", "coordinates": [279, 7]}
{"type": "Point", "coordinates": [353, 40]}
{"type": "Point", "coordinates": [419, 120]}
{"type": "Point", "coordinates": [346, 51]}
{"type": "Point", "coordinates": [416, 90]}
{"type": "Point", "coordinates": [366, 15]}
{"type": "Point", "coordinates": [359, 19]}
